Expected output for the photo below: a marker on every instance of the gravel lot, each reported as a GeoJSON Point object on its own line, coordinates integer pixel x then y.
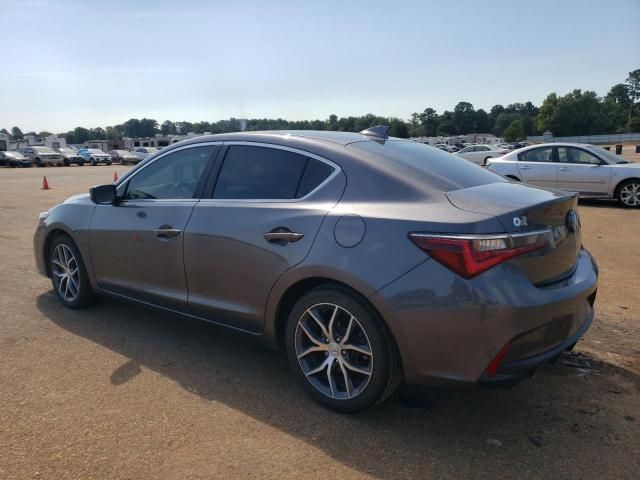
{"type": "Point", "coordinates": [118, 391]}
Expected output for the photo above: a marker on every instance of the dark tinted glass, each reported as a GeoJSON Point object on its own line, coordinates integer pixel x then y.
{"type": "Point", "coordinates": [430, 165]}
{"type": "Point", "coordinates": [174, 176]}
{"type": "Point", "coordinates": [544, 154]}
{"type": "Point", "coordinates": [576, 155]}
{"type": "Point", "coordinates": [259, 173]}
{"type": "Point", "coordinates": [315, 173]}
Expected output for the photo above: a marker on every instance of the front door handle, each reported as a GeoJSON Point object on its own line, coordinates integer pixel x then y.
{"type": "Point", "coordinates": [563, 169]}
{"type": "Point", "coordinates": [282, 236]}
{"type": "Point", "coordinates": [166, 232]}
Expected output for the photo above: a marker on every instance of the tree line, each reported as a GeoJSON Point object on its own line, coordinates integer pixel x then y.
{"type": "Point", "coordinates": [576, 113]}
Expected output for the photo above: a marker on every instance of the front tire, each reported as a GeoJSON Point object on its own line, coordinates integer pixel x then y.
{"type": "Point", "coordinates": [341, 350]}
{"type": "Point", "coordinates": [68, 273]}
{"type": "Point", "coordinates": [629, 193]}
{"type": "Point", "coordinates": [93, 162]}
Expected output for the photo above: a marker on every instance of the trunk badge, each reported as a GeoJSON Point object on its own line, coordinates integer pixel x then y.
{"type": "Point", "coordinates": [520, 221]}
{"type": "Point", "coordinates": [572, 221]}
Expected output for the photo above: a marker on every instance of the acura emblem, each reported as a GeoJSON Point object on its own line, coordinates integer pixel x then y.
{"type": "Point", "coordinates": [572, 221]}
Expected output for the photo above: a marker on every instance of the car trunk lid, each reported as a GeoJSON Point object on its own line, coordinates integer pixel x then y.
{"type": "Point", "coordinates": [522, 210]}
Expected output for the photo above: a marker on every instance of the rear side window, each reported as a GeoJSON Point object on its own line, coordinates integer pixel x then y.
{"type": "Point", "coordinates": [315, 173]}
{"type": "Point", "coordinates": [424, 164]}
{"type": "Point", "coordinates": [537, 155]}
{"type": "Point", "coordinates": [250, 172]}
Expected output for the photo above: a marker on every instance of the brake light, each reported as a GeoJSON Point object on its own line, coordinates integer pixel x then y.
{"type": "Point", "coordinates": [492, 369]}
{"type": "Point", "coordinates": [469, 256]}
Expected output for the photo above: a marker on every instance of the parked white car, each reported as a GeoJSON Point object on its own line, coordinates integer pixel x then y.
{"type": "Point", "coordinates": [143, 152]}
{"type": "Point", "coordinates": [574, 167]}
{"type": "Point", "coordinates": [479, 154]}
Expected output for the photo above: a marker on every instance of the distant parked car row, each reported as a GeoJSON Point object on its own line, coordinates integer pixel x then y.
{"type": "Point", "coordinates": [45, 156]}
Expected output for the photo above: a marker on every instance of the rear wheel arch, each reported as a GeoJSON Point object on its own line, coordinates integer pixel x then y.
{"type": "Point", "coordinates": [616, 190]}
{"type": "Point", "coordinates": [295, 291]}
{"type": "Point", "coordinates": [622, 183]}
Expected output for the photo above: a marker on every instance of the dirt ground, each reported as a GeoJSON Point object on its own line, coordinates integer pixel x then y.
{"type": "Point", "coordinates": [118, 391]}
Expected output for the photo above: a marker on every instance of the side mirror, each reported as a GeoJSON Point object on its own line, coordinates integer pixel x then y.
{"type": "Point", "coordinates": [103, 194]}
{"type": "Point", "coordinates": [595, 161]}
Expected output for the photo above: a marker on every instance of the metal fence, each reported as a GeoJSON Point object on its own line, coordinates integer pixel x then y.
{"type": "Point", "coordinates": [593, 139]}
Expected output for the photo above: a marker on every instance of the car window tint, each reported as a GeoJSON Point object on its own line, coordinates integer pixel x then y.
{"type": "Point", "coordinates": [576, 155]}
{"type": "Point", "coordinates": [314, 174]}
{"type": "Point", "coordinates": [537, 155]}
{"type": "Point", "coordinates": [174, 176]}
{"type": "Point", "coordinates": [259, 173]}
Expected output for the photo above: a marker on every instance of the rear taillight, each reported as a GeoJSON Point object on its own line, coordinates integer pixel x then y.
{"type": "Point", "coordinates": [470, 255]}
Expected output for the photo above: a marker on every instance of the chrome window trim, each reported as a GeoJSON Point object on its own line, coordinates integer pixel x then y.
{"type": "Point", "coordinates": [298, 151]}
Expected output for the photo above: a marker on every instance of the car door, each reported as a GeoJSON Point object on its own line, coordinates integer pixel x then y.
{"type": "Point", "coordinates": [582, 171]}
{"type": "Point", "coordinates": [537, 166]}
{"type": "Point", "coordinates": [137, 245]}
{"type": "Point", "coordinates": [264, 212]}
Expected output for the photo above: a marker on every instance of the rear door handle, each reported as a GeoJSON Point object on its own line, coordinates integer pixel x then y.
{"type": "Point", "coordinates": [525, 167]}
{"type": "Point", "coordinates": [282, 236]}
{"type": "Point", "coordinates": [166, 232]}
{"type": "Point", "coordinates": [563, 169]}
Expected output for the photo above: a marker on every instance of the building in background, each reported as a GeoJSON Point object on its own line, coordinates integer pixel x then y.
{"type": "Point", "coordinates": [158, 140]}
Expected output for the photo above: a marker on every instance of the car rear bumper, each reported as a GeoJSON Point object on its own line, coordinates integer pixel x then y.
{"type": "Point", "coordinates": [526, 367]}
{"type": "Point", "coordinates": [448, 330]}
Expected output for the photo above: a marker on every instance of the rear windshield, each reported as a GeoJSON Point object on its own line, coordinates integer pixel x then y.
{"type": "Point", "coordinates": [437, 169]}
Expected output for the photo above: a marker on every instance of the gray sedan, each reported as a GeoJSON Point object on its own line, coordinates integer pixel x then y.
{"type": "Point", "coordinates": [371, 260]}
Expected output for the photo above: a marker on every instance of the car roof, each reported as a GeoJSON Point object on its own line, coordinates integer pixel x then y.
{"type": "Point", "coordinates": [341, 138]}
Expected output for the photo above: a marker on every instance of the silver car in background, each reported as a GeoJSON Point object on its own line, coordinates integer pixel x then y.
{"type": "Point", "coordinates": [480, 154]}
{"type": "Point", "coordinates": [591, 171]}
{"type": "Point", "coordinates": [41, 156]}
{"type": "Point", "coordinates": [144, 152]}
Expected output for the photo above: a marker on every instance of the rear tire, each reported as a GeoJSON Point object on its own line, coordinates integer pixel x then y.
{"type": "Point", "coordinates": [628, 193]}
{"type": "Point", "coordinates": [353, 368]}
{"type": "Point", "coordinates": [68, 273]}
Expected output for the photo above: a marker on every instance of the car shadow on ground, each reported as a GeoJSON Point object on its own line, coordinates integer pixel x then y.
{"type": "Point", "coordinates": [564, 411]}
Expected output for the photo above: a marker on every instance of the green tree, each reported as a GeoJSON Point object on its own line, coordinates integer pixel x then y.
{"type": "Point", "coordinates": [503, 121]}
{"type": "Point", "coordinates": [464, 118]}
{"type": "Point", "coordinates": [546, 112]}
{"type": "Point", "coordinates": [633, 88]}
{"type": "Point", "coordinates": [16, 133]}
{"type": "Point", "coordinates": [515, 131]}
{"type": "Point", "coordinates": [482, 121]}
{"type": "Point", "coordinates": [81, 135]}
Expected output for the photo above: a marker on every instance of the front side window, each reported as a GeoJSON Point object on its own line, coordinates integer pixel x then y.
{"type": "Point", "coordinates": [576, 155]}
{"type": "Point", "coordinates": [174, 176]}
{"type": "Point", "coordinates": [250, 172]}
{"type": "Point", "coordinates": [544, 154]}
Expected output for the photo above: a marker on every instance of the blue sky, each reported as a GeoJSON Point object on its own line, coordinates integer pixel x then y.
{"type": "Point", "coordinates": [68, 63]}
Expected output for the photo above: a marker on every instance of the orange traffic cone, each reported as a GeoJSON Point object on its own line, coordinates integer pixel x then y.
{"type": "Point", "coordinates": [45, 184]}
{"type": "Point", "coordinates": [115, 176]}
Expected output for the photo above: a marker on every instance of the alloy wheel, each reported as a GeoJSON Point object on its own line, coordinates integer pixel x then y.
{"type": "Point", "coordinates": [66, 274]}
{"type": "Point", "coordinates": [333, 351]}
{"type": "Point", "coordinates": [630, 194]}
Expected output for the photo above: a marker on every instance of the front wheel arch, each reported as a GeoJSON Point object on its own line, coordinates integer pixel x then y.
{"type": "Point", "coordinates": [513, 177]}
{"type": "Point", "coordinates": [51, 236]}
